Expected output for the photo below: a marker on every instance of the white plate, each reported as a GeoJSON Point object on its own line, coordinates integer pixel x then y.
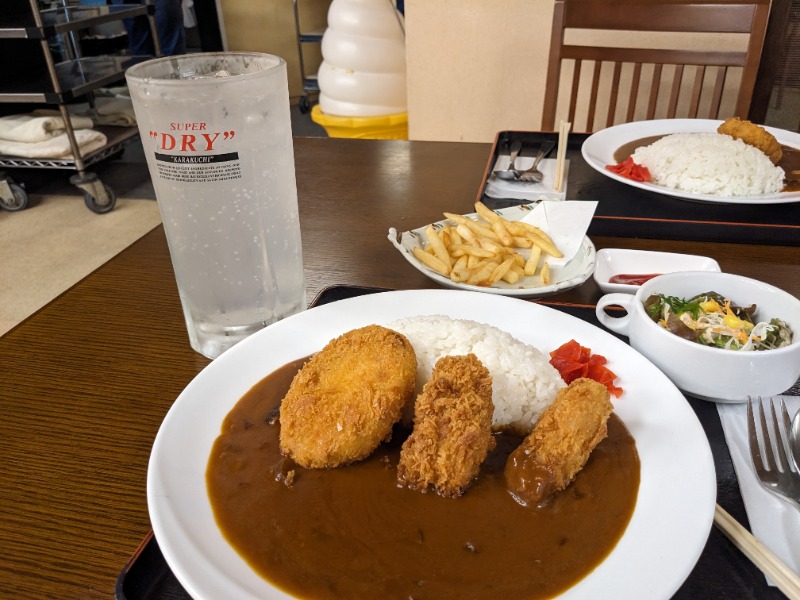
{"type": "Point", "coordinates": [616, 261]}
{"type": "Point", "coordinates": [598, 150]}
{"type": "Point", "coordinates": [571, 275]}
{"type": "Point", "coordinates": [670, 523]}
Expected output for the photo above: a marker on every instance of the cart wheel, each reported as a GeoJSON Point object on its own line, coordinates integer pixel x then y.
{"type": "Point", "coordinates": [91, 201]}
{"type": "Point", "coordinates": [20, 198]}
{"type": "Point", "coordinates": [304, 105]}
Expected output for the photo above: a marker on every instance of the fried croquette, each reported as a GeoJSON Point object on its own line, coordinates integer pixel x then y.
{"type": "Point", "coordinates": [345, 400]}
{"type": "Point", "coordinates": [452, 428]}
{"type": "Point", "coordinates": [752, 135]}
{"type": "Point", "coordinates": [560, 443]}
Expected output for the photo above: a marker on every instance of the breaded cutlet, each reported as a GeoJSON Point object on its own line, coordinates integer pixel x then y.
{"type": "Point", "coordinates": [752, 135]}
{"type": "Point", "coordinates": [345, 400]}
{"type": "Point", "coordinates": [452, 428]}
{"type": "Point", "coordinates": [561, 441]}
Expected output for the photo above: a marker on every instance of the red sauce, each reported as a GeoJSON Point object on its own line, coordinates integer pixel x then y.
{"type": "Point", "coordinates": [630, 279]}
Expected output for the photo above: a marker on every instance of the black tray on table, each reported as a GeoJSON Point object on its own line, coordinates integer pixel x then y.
{"type": "Point", "coordinates": [721, 571]}
{"type": "Point", "coordinates": [627, 211]}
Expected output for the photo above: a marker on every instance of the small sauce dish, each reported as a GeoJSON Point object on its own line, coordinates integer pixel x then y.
{"type": "Point", "coordinates": [619, 261]}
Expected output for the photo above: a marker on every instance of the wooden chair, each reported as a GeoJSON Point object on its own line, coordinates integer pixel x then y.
{"type": "Point", "coordinates": [706, 74]}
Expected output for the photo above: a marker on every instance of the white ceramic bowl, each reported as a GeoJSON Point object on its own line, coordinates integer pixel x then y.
{"type": "Point", "coordinates": [702, 371]}
{"type": "Point", "coordinates": [617, 261]}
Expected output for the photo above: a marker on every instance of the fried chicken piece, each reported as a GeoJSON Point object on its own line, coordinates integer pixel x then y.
{"type": "Point", "coordinates": [560, 443]}
{"type": "Point", "coordinates": [752, 135]}
{"type": "Point", "coordinates": [452, 428]}
{"type": "Point", "coordinates": [344, 401]}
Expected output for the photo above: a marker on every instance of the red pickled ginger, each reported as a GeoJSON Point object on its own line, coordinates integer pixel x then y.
{"type": "Point", "coordinates": [574, 361]}
{"type": "Point", "coordinates": [630, 170]}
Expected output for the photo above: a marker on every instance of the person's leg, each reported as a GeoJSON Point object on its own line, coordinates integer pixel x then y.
{"type": "Point", "coordinates": [140, 39]}
{"type": "Point", "coordinates": [169, 24]}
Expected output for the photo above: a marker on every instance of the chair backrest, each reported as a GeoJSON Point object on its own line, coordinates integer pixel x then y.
{"type": "Point", "coordinates": [704, 74]}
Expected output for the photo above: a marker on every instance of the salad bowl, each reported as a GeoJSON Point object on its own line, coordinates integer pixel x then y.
{"type": "Point", "coordinates": [708, 371]}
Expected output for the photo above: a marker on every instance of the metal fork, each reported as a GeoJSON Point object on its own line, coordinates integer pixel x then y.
{"type": "Point", "coordinates": [533, 174]}
{"type": "Point", "coordinates": [775, 470]}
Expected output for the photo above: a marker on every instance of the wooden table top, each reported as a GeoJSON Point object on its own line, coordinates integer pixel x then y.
{"type": "Point", "coordinates": [86, 381]}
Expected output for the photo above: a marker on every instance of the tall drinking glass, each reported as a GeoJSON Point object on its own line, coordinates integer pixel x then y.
{"type": "Point", "coordinates": [217, 136]}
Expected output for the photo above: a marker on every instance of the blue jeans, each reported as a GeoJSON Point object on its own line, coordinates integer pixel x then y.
{"type": "Point", "coordinates": [169, 25]}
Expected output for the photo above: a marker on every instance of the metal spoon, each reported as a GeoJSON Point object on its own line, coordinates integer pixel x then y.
{"type": "Point", "coordinates": [534, 175]}
{"type": "Point", "coordinates": [510, 172]}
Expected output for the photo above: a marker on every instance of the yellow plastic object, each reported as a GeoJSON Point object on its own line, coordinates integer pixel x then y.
{"type": "Point", "coordinates": [387, 127]}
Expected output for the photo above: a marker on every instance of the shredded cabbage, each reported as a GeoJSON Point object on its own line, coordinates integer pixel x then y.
{"type": "Point", "coordinates": [713, 320]}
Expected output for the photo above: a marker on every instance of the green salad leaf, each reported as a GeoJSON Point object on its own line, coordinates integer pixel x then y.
{"type": "Point", "coordinates": [725, 325]}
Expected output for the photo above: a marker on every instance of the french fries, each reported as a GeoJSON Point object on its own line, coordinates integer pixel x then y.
{"type": "Point", "coordinates": [485, 251]}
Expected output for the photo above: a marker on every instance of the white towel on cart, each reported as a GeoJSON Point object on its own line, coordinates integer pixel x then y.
{"type": "Point", "coordinates": [58, 147]}
{"type": "Point", "coordinates": [112, 106]}
{"type": "Point", "coordinates": [109, 110]}
{"type": "Point", "coordinates": [38, 128]}
{"type": "Point", "coordinates": [115, 110]}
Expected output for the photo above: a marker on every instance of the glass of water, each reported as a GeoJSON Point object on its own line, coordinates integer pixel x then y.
{"type": "Point", "coordinates": [217, 136]}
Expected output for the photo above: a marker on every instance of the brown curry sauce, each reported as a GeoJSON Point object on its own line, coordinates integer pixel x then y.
{"type": "Point", "coordinates": [352, 532]}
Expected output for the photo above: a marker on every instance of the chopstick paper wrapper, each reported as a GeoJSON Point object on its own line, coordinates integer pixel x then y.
{"type": "Point", "coordinates": [775, 522]}
{"type": "Point", "coordinates": [523, 190]}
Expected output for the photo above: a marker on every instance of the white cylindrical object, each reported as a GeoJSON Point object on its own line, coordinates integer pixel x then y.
{"type": "Point", "coordinates": [373, 18]}
{"type": "Point", "coordinates": [365, 88]}
{"type": "Point", "coordinates": [346, 51]}
{"type": "Point", "coordinates": [338, 107]}
{"type": "Point", "coordinates": [363, 72]}
{"type": "Point", "coordinates": [217, 136]}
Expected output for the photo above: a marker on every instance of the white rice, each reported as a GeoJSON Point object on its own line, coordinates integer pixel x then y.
{"type": "Point", "coordinates": [710, 163]}
{"type": "Point", "coordinates": [524, 382]}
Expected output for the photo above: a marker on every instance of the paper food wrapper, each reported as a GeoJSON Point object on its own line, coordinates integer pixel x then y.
{"type": "Point", "coordinates": [565, 222]}
{"type": "Point", "coordinates": [774, 521]}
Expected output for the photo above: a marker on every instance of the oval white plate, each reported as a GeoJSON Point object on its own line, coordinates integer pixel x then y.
{"type": "Point", "coordinates": [571, 275]}
{"type": "Point", "coordinates": [598, 150]}
{"type": "Point", "coordinates": [617, 261]}
{"type": "Point", "coordinates": [677, 492]}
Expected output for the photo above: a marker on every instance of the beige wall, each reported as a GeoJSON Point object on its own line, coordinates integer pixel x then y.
{"type": "Point", "coordinates": [268, 26]}
{"type": "Point", "coordinates": [476, 67]}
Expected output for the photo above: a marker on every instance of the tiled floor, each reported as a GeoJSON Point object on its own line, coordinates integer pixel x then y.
{"type": "Point", "coordinates": [304, 126]}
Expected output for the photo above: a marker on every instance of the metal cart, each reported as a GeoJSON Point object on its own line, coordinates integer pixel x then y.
{"type": "Point", "coordinates": [27, 30]}
{"type": "Point", "coordinates": [310, 84]}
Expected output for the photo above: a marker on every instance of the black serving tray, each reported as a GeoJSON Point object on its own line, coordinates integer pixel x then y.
{"type": "Point", "coordinates": [721, 571]}
{"type": "Point", "coordinates": [626, 211]}
{"type": "Point", "coordinates": [146, 576]}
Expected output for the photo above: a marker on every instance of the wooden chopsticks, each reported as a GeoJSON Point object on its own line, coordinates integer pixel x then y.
{"type": "Point", "coordinates": [773, 567]}
{"type": "Point", "coordinates": [563, 134]}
